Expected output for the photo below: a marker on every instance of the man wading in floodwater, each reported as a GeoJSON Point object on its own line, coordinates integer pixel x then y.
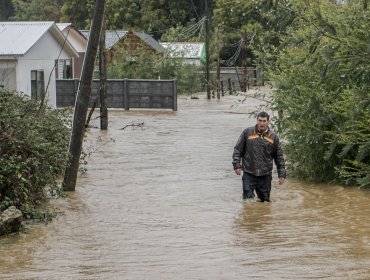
{"type": "Point", "coordinates": [257, 147]}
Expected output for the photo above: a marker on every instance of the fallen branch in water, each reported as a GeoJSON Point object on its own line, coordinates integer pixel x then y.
{"type": "Point", "coordinates": [133, 125]}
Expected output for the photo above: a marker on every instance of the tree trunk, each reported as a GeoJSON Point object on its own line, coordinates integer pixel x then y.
{"type": "Point", "coordinates": [218, 64]}
{"type": "Point", "coordinates": [82, 100]}
{"type": "Point", "coordinates": [103, 80]}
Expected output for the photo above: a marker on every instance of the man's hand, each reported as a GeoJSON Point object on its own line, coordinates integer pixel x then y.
{"type": "Point", "coordinates": [238, 171]}
{"type": "Point", "coordinates": [281, 180]}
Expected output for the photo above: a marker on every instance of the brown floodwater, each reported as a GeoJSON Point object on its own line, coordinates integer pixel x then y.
{"type": "Point", "coordinates": [162, 202]}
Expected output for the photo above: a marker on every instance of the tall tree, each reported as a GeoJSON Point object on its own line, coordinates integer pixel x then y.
{"type": "Point", "coordinates": [123, 14]}
{"type": "Point", "coordinates": [77, 12]}
{"type": "Point", "coordinates": [159, 15]}
{"type": "Point", "coordinates": [6, 10]}
{"type": "Point", "coordinates": [36, 10]}
{"type": "Point", "coordinates": [80, 110]}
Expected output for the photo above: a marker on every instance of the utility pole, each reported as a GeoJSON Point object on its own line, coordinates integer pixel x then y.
{"type": "Point", "coordinates": [244, 62]}
{"type": "Point", "coordinates": [103, 80]}
{"type": "Point", "coordinates": [82, 100]}
{"type": "Point", "coordinates": [207, 49]}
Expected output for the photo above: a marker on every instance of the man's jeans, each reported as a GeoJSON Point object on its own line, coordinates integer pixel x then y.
{"type": "Point", "coordinates": [260, 184]}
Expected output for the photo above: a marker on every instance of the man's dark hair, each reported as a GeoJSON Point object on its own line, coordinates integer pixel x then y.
{"type": "Point", "coordinates": [263, 115]}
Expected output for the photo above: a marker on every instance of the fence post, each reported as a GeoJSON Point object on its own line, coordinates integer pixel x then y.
{"type": "Point", "coordinates": [126, 94]}
{"type": "Point", "coordinates": [174, 96]}
{"type": "Point", "coordinates": [229, 88]}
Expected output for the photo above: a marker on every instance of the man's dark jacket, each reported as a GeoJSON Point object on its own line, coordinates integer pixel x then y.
{"type": "Point", "coordinates": [257, 151]}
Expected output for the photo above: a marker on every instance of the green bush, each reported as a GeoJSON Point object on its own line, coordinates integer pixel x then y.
{"type": "Point", "coordinates": [33, 150]}
{"type": "Point", "coordinates": [323, 81]}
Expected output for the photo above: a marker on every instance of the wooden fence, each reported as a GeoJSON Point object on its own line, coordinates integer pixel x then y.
{"type": "Point", "coordinates": [124, 93]}
{"type": "Point", "coordinates": [235, 75]}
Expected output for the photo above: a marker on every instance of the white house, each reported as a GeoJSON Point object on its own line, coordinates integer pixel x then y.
{"type": "Point", "coordinates": [28, 55]}
{"type": "Point", "coordinates": [191, 53]}
{"type": "Point", "coordinates": [79, 43]}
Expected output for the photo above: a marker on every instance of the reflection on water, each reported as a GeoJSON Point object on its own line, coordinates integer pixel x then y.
{"type": "Point", "coordinates": [163, 203]}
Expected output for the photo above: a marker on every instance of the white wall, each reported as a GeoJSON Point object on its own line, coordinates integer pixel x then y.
{"type": "Point", "coordinates": [40, 57]}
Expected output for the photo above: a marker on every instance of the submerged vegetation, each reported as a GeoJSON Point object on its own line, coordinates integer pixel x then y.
{"type": "Point", "coordinates": [33, 151]}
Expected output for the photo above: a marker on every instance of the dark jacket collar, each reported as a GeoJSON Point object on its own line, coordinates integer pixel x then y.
{"type": "Point", "coordinates": [264, 133]}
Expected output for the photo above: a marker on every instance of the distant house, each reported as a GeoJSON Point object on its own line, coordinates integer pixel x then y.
{"type": "Point", "coordinates": [28, 52]}
{"type": "Point", "coordinates": [191, 53]}
{"type": "Point", "coordinates": [79, 43]}
{"type": "Point", "coordinates": [133, 42]}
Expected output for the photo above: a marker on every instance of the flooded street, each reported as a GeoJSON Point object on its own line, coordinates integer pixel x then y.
{"type": "Point", "coordinates": [162, 202]}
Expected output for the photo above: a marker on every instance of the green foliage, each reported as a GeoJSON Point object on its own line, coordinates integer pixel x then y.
{"type": "Point", "coordinates": [33, 150]}
{"type": "Point", "coordinates": [323, 93]}
{"type": "Point", "coordinates": [159, 15]}
{"type": "Point", "coordinates": [123, 15]}
{"type": "Point", "coordinates": [261, 20]}
{"type": "Point", "coordinates": [36, 214]}
{"type": "Point", "coordinates": [77, 12]}
{"type": "Point", "coordinates": [36, 10]}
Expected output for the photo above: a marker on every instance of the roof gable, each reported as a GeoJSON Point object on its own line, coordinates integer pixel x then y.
{"type": "Point", "coordinates": [17, 38]}
{"type": "Point", "coordinates": [74, 36]}
{"type": "Point", "coordinates": [63, 25]}
{"type": "Point", "coordinates": [113, 36]}
{"type": "Point", "coordinates": [150, 41]}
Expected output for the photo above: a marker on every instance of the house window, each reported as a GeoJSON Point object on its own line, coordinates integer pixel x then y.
{"type": "Point", "coordinates": [65, 69]}
{"type": "Point", "coordinates": [37, 84]}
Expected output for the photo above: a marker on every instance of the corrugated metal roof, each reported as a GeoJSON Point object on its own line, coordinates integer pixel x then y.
{"type": "Point", "coordinates": [63, 26]}
{"type": "Point", "coordinates": [151, 41]}
{"type": "Point", "coordinates": [113, 36]}
{"type": "Point", "coordinates": [16, 38]}
{"type": "Point", "coordinates": [184, 49]}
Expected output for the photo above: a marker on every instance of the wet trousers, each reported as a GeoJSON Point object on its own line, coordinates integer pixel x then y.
{"type": "Point", "coordinates": [260, 184]}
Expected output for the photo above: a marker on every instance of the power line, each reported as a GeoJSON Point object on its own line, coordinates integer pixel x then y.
{"type": "Point", "coordinates": [187, 33]}
{"type": "Point", "coordinates": [231, 61]}
{"type": "Point", "coordinates": [235, 56]}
